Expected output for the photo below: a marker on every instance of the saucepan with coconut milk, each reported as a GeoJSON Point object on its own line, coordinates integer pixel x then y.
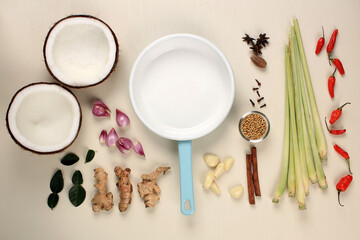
{"type": "Point", "coordinates": [182, 87]}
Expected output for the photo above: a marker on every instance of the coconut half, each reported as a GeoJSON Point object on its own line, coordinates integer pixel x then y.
{"type": "Point", "coordinates": [44, 118]}
{"type": "Point", "coordinates": [80, 51]}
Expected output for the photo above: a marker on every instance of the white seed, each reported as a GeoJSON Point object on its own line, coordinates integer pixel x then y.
{"type": "Point", "coordinates": [236, 191]}
{"type": "Point", "coordinates": [215, 188]}
{"type": "Point", "coordinates": [220, 168]}
{"type": "Point", "coordinates": [209, 178]}
{"type": "Point", "coordinates": [229, 163]}
{"type": "Point", "coordinates": [212, 160]}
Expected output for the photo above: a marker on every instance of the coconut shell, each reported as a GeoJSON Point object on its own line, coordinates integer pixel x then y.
{"type": "Point", "coordinates": [26, 148]}
{"type": "Point", "coordinates": [81, 16]}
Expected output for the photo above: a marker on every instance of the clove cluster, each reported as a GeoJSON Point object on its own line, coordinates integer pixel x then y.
{"type": "Point", "coordinates": [260, 98]}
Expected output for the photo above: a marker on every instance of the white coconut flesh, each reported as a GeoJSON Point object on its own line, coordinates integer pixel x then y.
{"type": "Point", "coordinates": [80, 51]}
{"type": "Point", "coordinates": [44, 118]}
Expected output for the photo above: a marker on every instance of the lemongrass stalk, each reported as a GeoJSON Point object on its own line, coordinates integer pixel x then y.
{"type": "Point", "coordinates": [300, 190]}
{"type": "Point", "coordinates": [319, 133]}
{"type": "Point", "coordinates": [307, 148]}
{"type": "Point", "coordinates": [285, 157]}
{"type": "Point", "coordinates": [314, 149]}
{"type": "Point", "coordinates": [298, 114]}
{"type": "Point", "coordinates": [291, 172]}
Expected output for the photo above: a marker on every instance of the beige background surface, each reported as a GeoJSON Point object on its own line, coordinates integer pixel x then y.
{"type": "Point", "coordinates": [25, 177]}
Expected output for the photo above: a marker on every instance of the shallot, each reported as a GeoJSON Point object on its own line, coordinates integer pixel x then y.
{"type": "Point", "coordinates": [111, 138]}
{"type": "Point", "coordinates": [122, 119]}
{"type": "Point", "coordinates": [124, 144]}
{"type": "Point", "coordinates": [100, 109]}
{"type": "Point", "coordinates": [103, 136]}
{"type": "Point", "coordinates": [138, 148]}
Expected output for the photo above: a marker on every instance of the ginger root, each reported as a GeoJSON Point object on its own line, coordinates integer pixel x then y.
{"type": "Point", "coordinates": [125, 187]}
{"type": "Point", "coordinates": [148, 189]}
{"type": "Point", "coordinates": [101, 200]}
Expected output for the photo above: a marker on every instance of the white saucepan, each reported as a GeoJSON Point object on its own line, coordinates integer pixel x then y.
{"type": "Point", "coordinates": [182, 87]}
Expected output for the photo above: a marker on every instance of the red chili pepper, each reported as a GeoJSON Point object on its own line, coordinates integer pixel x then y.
{"type": "Point", "coordinates": [331, 84]}
{"type": "Point", "coordinates": [335, 115]}
{"type": "Point", "coordinates": [344, 154]}
{"type": "Point", "coordinates": [332, 41]}
{"type": "Point", "coordinates": [338, 65]}
{"type": "Point", "coordinates": [342, 185]}
{"type": "Point", "coordinates": [320, 43]}
{"type": "Point", "coordinates": [335, 132]}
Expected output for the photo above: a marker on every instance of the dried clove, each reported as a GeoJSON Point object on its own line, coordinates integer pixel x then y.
{"type": "Point", "coordinates": [260, 99]}
{"type": "Point", "coordinates": [252, 103]}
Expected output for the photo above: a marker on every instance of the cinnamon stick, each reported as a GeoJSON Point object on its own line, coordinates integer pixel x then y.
{"type": "Point", "coordinates": [255, 172]}
{"type": "Point", "coordinates": [250, 179]}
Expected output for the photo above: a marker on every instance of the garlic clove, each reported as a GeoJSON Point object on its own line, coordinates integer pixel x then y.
{"type": "Point", "coordinates": [112, 137]}
{"type": "Point", "coordinates": [209, 178]}
{"type": "Point", "coordinates": [229, 162]}
{"type": "Point", "coordinates": [215, 188]}
{"type": "Point", "coordinates": [219, 170]}
{"type": "Point", "coordinates": [103, 136]}
{"type": "Point", "coordinates": [124, 144]}
{"type": "Point", "coordinates": [236, 191]}
{"type": "Point", "coordinates": [212, 160]}
{"type": "Point", "coordinates": [138, 148]}
{"type": "Point", "coordinates": [100, 109]}
{"type": "Point", "coordinates": [122, 119]}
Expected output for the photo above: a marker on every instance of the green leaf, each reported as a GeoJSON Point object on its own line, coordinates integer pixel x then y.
{"type": "Point", "coordinates": [69, 159]}
{"type": "Point", "coordinates": [90, 155]}
{"type": "Point", "coordinates": [77, 177]}
{"type": "Point", "coordinates": [77, 195]}
{"type": "Point", "coordinates": [57, 182]}
{"type": "Point", "coordinates": [52, 201]}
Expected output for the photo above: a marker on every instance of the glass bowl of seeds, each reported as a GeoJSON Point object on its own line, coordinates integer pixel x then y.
{"type": "Point", "coordinates": [254, 126]}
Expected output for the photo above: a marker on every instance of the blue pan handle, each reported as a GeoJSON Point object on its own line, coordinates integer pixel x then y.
{"type": "Point", "coordinates": [186, 178]}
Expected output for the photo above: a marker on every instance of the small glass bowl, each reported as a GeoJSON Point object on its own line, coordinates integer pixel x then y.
{"type": "Point", "coordinates": [267, 127]}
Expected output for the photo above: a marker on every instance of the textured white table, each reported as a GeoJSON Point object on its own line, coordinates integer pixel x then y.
{"type": "Point", "coordinates": [25, 177]}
